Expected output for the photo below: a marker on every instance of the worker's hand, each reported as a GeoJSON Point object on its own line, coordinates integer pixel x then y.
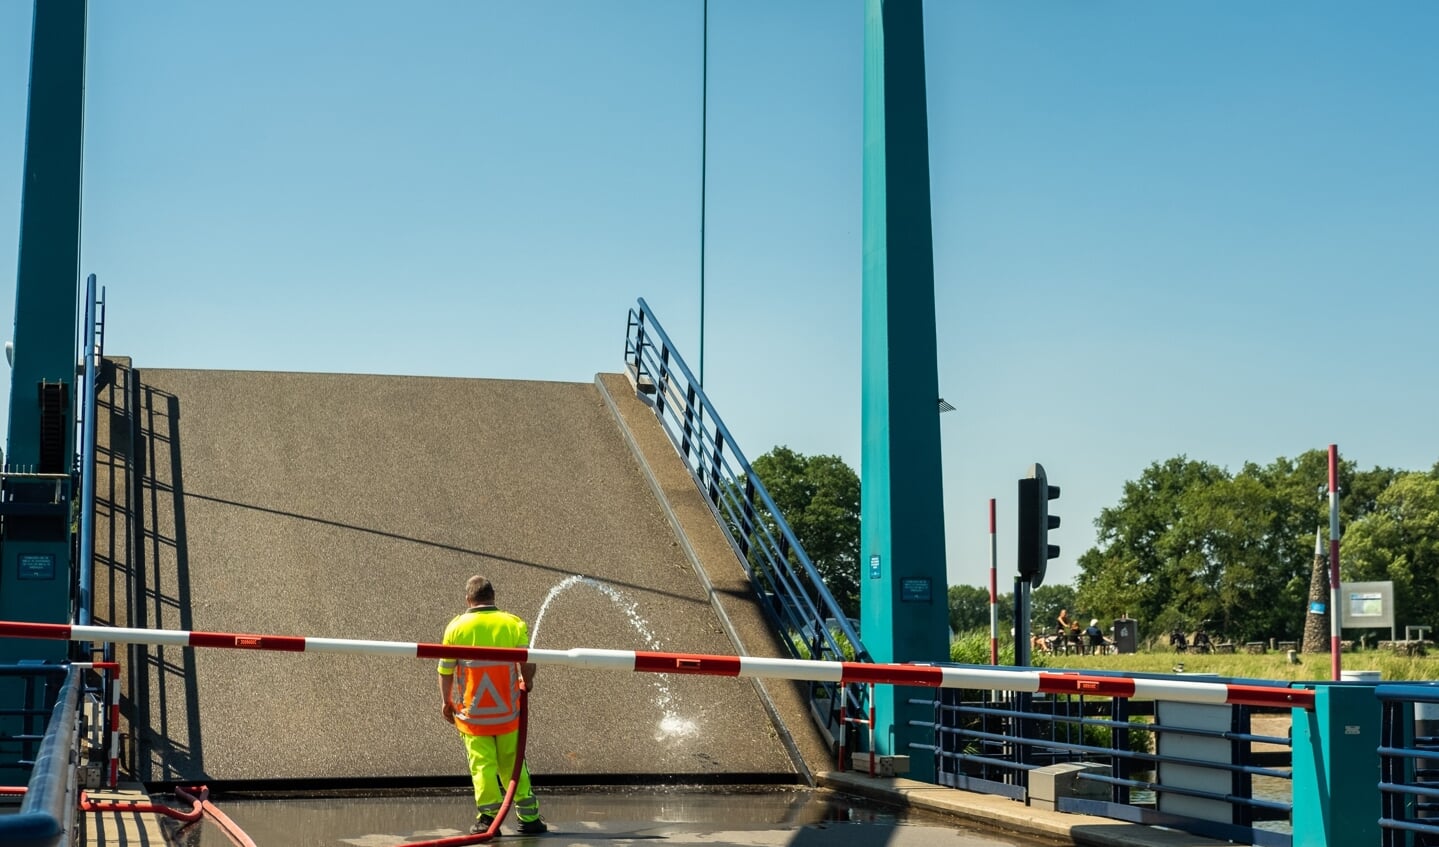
{"type": "Point", "coordinates": [447, 712]}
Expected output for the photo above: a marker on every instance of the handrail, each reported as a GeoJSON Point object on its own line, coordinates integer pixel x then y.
{"type": "Point", "coordinates": [994, 743]}
{"type": "Point", "coordinates": [1408, 754]}
{"type": "Point", "coordinates": [87, 464]}
{"type": "Point", "coordinates": [47, 813]}
{"type": "Point", "coordinates": [644, 323]}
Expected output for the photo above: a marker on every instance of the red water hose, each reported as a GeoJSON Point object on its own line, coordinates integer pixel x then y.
{"type": "Point", "coordinates": [196, 808]}
{"type": "Point", "coordinates": [200, 804]}
{"type": "Point", "coordinates": [494, 830]}
{"type": "Point", "coordinates": [236, 835]}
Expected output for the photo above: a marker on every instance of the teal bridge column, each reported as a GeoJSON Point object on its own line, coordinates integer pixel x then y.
{"type": "Point", "coordinates": [1336, 767]}
{"type": "Point", "coordinates": [903, 588]}
{"type": "Point", "coordinates": [35, 573]}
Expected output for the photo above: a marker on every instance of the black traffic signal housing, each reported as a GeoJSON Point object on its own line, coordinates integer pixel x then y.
{"type": "Point", "coordinates": [1035, 522]}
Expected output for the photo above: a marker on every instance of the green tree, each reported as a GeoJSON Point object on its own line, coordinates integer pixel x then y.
{"type": "Point", "coordinates": [969, 610]}
{"type": "Point", "coordinates": [1045, 603]}
{"type": "Point", "coordinates": [1399, 540]}
{"type": "Point", "coordinates": [1142, 563]}
{"type": "Point", "coordinates": [819, 499]}
{"type": "Point", "coordinates": [1190, 543]}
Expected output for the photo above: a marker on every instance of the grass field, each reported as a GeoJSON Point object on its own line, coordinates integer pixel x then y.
{"type": "Point", "coordinates": [1271, 665]}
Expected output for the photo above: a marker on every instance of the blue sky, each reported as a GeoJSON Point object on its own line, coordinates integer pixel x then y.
{"type": "Point", "coordinates": [1171, 228]}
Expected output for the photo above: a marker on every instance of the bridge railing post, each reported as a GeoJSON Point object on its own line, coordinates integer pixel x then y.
{"type": "Point", "coordinates": [1336, 767]}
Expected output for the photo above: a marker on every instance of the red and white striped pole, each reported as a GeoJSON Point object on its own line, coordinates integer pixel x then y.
{"type": "Point", "coordinates": [977, 677]}
{"type": "Point", "coordinates": [111, 670]}
{"type": "Point", "coordinates": [115, 728]}
{"type": "Point", "coordinates": [1334, 611]}
{"type": "Point", "coordinates": [993, 590]}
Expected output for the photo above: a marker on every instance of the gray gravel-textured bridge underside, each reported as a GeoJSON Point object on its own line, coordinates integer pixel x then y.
{"type": "Point", "coordinates": [352, 506]}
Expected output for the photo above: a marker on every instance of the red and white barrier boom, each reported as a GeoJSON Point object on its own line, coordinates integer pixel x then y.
{"type": "Point", "coordinates": [928, 676]}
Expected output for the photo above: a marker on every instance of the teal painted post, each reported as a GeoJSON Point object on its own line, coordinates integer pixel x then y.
{"type": "Point", "coordinates": [46, 287]}
{"type": "Point", "coordinates": [1336, 767]}
{"type": "Point", "coordinates": [903, 589]}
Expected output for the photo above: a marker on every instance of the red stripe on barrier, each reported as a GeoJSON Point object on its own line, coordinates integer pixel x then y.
{"type": "Point", "coordinates": [687, 663]}
{"type": "Point", "coordinates": [926, 675]}
{"type": "Point", "coordinates": [1268, 695]}
{"type": "Point", "coordinates": [476, 654]}
{"type": "Point", "coordinates": [12, 629]}
{"type": "Point", "coordinates": [1108, 686]}
{"type": "Point", "coordinates": [246, 641]}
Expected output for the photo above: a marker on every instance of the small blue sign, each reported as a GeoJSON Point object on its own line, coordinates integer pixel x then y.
{"type": "Point", "coordinates": [914, 589]}
{"type": "Point", "coordinates": [1317, 608]}
{"type": "Point", "coordinates": [874, 566]}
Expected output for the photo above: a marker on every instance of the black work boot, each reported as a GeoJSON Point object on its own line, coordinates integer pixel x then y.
{"type": "Point", "coordinates": [482, 824]}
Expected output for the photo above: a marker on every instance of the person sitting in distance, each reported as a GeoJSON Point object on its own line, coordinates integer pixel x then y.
{"type": "Point", "coordinates": [1097, 642]}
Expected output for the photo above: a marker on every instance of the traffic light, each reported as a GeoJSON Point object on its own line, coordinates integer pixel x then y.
{"type": "Point", "coordinates": [1035, 522]}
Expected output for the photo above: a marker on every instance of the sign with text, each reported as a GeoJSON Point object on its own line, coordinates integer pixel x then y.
{"type": "Point", "coordinates": [914, 590]}
{"type": "Point", "coordinates": [1366, 604]}
{"type": "Point", "coordinates": [37, 566]}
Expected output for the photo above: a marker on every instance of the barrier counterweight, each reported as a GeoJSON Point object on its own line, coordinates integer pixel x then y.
{"type": "Point", "coordinates": [926, 676]}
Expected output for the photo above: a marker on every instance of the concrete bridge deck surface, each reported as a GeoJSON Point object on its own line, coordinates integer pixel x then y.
{"type": "Point", "coordinates": [353, 506]}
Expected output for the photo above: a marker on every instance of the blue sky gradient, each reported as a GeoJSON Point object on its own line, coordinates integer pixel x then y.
{"type": "Point", "coordinates": [1160, 228]}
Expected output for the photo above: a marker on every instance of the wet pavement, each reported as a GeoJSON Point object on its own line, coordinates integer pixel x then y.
{"type": "Point", "coordinates": [714, 817]}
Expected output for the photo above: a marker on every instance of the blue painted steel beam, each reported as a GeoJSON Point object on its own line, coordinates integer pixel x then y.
{"type": "Point", "coordinates": [49, 258]}
{"type": "Point", "coordinates": [45, 303]}
{"type": "Point", "coordinates": [903, 586]}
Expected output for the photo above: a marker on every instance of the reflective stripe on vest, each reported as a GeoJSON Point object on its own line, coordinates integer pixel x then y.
{"type": "Point", "coordinates": [484, 696]}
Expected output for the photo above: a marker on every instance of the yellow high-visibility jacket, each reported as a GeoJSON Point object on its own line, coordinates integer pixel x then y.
{"type": "Point", "coordinates": [485, 695]}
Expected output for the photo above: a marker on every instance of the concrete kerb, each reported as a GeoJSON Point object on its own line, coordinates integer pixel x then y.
{"type": "Point", "coordinates": [606, 385]}
{"type": "Point", "coordinates": [1006, 815]}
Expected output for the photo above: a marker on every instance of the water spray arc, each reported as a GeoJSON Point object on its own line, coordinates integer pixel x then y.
{"type": "Point", "coordinates": [672, 724]}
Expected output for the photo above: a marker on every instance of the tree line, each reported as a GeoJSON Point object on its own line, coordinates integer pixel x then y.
{"type": "Point", "coordinates": [1189, 543]}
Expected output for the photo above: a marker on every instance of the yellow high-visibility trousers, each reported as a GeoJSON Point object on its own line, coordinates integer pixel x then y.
{"type": "Point", "coordinates": [492, 761]}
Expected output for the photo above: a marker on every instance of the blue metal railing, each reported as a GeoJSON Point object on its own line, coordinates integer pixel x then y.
{"type": "Point", "coordinates": [990, 742]}
{"type": "Point", "coordinates": [92, 353]}
{"type": "Point", "coordinates": [1409, 763]}
{"type": "Point", "coordinates": [47, 816]}
{"type": "Point", "coordinates": [798, 602]}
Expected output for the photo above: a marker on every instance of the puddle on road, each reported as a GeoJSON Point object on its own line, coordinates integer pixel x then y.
{"type": "Point", "coordinates": [712, 816]}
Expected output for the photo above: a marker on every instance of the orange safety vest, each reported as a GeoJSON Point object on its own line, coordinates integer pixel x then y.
{"type": "Point", "coordinates": [485, 694]}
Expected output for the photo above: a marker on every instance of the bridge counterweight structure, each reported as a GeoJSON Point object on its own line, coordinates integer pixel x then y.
{"type": "Point", "coordinates": [980, 677]}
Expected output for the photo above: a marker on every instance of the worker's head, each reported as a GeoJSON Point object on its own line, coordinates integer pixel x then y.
{"type": "Point", "coordinates": [479, 591]}
{"type": "Point", "coordinates": [1094, 621]}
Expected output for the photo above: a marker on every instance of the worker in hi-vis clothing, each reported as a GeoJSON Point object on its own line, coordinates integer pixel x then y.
{"type": "Point", "coordinates": [482, 700]}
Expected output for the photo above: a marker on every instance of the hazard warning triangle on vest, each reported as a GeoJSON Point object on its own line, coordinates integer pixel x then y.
{"type": "Point", "coordinates": [485, 699]}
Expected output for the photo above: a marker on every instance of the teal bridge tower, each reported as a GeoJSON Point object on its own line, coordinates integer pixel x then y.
{"type": "Point", "coordinates": [38, 503]}
{"type": "Point", "coordinates": [903, 588]}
